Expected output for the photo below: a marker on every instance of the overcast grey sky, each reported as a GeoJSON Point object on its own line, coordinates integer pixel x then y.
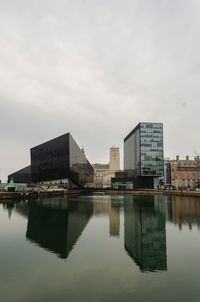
{"type": "Point", "coordinates": [96, 68]}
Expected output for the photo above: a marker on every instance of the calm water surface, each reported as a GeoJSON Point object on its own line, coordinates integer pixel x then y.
{"type": "Point", "coordinates": [100, 248]}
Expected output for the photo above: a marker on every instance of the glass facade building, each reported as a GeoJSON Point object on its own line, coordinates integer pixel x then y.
{"type": "Point", "coordinates": [143, 151]}
{"type": "Point", "coordinates": [60, 160]}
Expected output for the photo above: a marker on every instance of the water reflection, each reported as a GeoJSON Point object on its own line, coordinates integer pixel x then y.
{"type": "Point", "coordinates": [183, 211]}
{"type": "Point", "coordinates": [56, 225]}
{"type": "Point", "coordinates": [144, 232]}
{"type": "Point", "coordinates": [109, 205]}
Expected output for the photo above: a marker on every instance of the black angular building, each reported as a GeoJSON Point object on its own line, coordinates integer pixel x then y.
{"type": "Point", "coordinates": [21, 176]}
{"type": "Point", "coordinates": [60, 160]}
{"type": "Point", "coordinates": [57, 161]}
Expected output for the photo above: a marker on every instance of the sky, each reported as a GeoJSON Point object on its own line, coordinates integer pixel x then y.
{"type": "Point", "coordinates": [95, 68]}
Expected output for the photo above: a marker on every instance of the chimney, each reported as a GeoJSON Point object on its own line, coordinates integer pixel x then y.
{"type": "Point", "coordinates": [187, 157]}
{"type": "Point", "coordinates": [177, 157]}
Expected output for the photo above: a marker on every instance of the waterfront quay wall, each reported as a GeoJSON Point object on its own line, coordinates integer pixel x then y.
{"type": "Point", "coordinates": [4, 196]}
{"type": "Point", "coordinates": [156, 192]}
{"type": "Point", "coordinates": [16, 195]}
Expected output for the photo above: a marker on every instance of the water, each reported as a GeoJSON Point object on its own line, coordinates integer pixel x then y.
{"type": "Point", "coordinates": [100, 248]}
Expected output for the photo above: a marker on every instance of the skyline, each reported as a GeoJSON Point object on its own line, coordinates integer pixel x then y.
{"type": "Point", "coordinates": [97, 69]}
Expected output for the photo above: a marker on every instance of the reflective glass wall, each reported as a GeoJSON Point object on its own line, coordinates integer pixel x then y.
{"type": "Point", "coordinates": [60, 159]}
{"type": "Point", "coordinates": [132, 152]}
{"type": "Point", "coordinates": [151, 142]}
{"type": "Point", "coordinates": [143, 150]}
{"type": "Point", "coordinates": [50, 160]}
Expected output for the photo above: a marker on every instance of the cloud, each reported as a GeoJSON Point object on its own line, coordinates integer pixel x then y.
{"type": "Point", "coordinates": [96, 68]}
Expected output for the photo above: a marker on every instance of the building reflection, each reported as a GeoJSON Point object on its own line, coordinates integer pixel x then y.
{"type": "Point", "coordinates": [184, 211]}
{"type": "Point", "coordinates": [9, 206]}
{"type": "Point", "coordinates": [57, 225]}
{"type": "Point", "coordinates": [109, 205]}
{"type": "Point", "coordinates": [145, 233]}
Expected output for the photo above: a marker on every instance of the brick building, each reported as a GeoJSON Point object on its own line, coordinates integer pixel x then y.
{"type": "Point", "coordinates": [185, 173]}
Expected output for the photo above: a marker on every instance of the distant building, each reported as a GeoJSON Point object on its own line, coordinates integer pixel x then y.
{"type": "Point", "coordinates": [143, 154]}
{"type": "Point", "coordinates": [104, 172]}
{"type": "Point", "coordinates": [167, 172]}
{"type": "Point", "coordinates": [114, 164]}
{"type": "Point", "coordinates": [185, 173]}
{"type": "Point", "coordinates": [3, 187]}
{"type": "Point", "coordinates": [101, 176]}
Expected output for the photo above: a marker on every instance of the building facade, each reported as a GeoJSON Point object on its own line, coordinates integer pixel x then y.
{"type": "Point", "coordinates": [57, 162]}
{"type": "Point", "coordinates": [143, 154]}
{"type": "Point", "coordinates": [114, 164]}
{"type": "Point", "coordinates": [21, 176]}
{"type": "Point", "coordinates": [60, 160]}
{"type": "Point", "coordinates": [167, 172]}
{"type": "Point", "coordinates": [103, 173]}
{"type": "Point", "coordinates": [185, 173]}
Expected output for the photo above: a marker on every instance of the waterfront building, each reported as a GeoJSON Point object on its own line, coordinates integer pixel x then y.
{"type": "Point", "coordinates": [22, 176]}
{"type": "Point", "coordinates": [60, 161]}
{"type": "Point", "coordinates": [3, 187]}
{"type": "Point", "coordinates": [122, 183]}
{"type": "Point", "coordinates": [143, 154]}
{"type": "Point", "coordinates": [185, 173]}
{"type": "Point", "coordinates": [101, 176]}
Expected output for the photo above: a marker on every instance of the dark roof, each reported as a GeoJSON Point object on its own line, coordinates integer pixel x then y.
{"type": "Point", "coordinates": [136, 128]}
{"type": "Point", "coordinates": [51, 140]}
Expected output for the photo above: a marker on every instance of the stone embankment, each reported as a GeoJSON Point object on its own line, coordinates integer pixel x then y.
{"type": "Point", "coordinates": [156, 192]}
{"type": "Point", "coordinates": [4, 196]}
{"type": "Point", "coordinates": [17, 195]}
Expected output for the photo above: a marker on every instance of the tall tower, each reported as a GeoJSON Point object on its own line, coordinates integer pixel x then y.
{"type": "Point", "coordinates": [114, 159]}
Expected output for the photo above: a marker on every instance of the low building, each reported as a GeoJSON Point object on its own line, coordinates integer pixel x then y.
{"type": "Point", "coordinates": [122, 183]}
{"type": "Point", "coordinates": [101, 175]}
{"type": "Point", "coordinates": [185, 173]}
{"type": "Point", "coordinates": [3, 187]}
